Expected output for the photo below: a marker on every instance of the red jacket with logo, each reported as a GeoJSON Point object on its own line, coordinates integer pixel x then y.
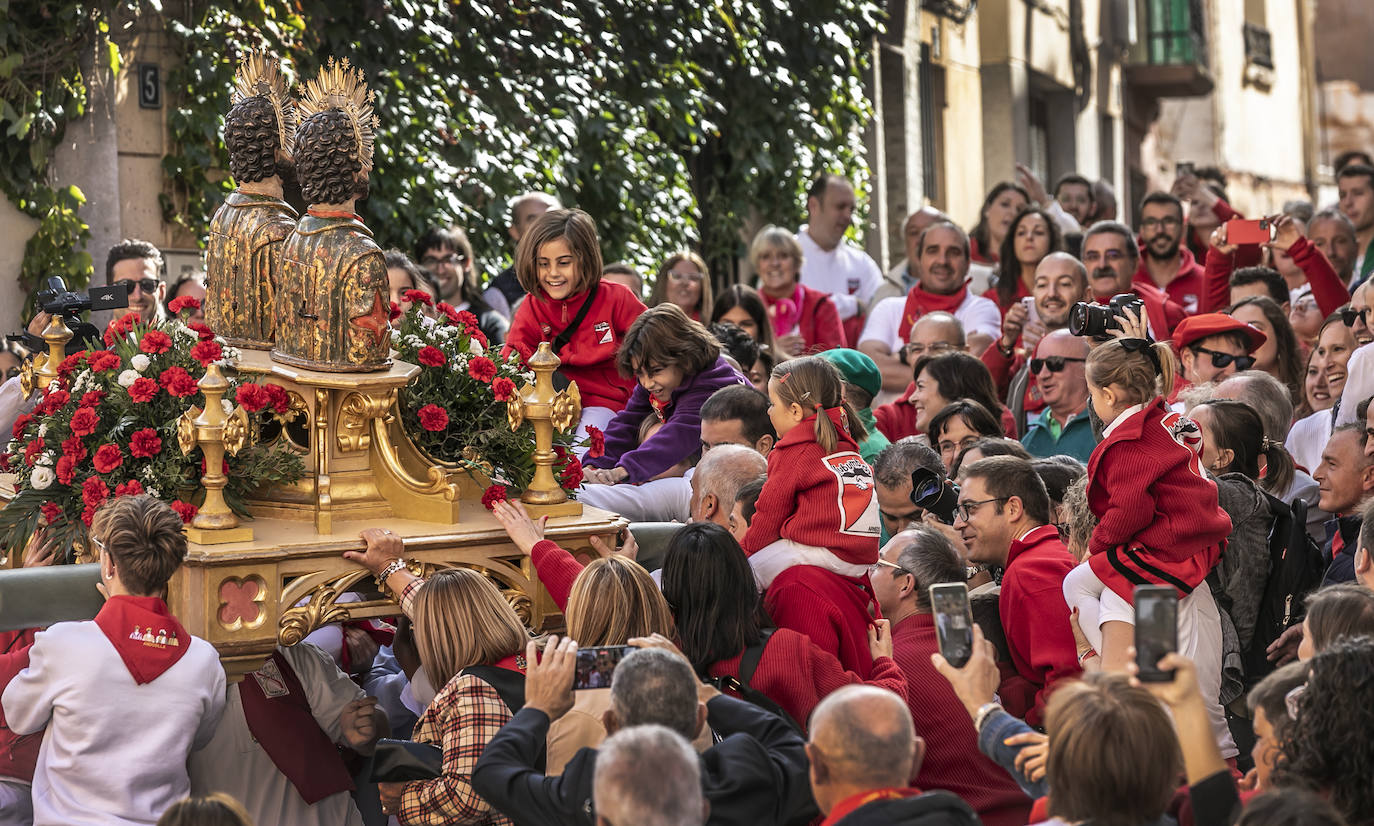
{"type": "Point", "coordinates": [1036, 618]}
{"type": "Point", "coordinates": [1158, 518]}
{"type": "Point", "coordinates": [1185, 289]}
{"type": "Point", "coordinates": [589, 357]}
{"type": "Point", "coordinates": [817, 498]}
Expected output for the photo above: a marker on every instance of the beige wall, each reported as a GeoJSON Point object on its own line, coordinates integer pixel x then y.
{"type": "Point", "coordinates": [963, 116]}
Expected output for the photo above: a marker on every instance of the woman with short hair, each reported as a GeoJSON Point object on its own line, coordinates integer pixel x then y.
{"type": "Point", "coordinates": [804, 321]}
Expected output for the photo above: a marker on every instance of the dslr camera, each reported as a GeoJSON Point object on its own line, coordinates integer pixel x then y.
{"type": "Point", "coordinates": [56, 300]}
{"type": "Point", "coordinates": [931, 491]}
{"type": "Point", "coordinates": [1096, 320]}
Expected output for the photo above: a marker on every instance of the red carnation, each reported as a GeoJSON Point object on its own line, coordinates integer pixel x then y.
{"type": "Point", "coordinates": [84, 421]}
{"type": "Point", "coordinates": [154, 342]}
{"type": "Point", "coordinates": [201, 330]}
{"type": "Point", "coordinates": [32, 450]}
{"type": "Point", "coordinates": [94, 491]}
{"type": "Point", "coordinates": [252, 397]}
{"type": "Point", "coordinates": [492, 495]}
{"type": "Point", "coordinates": [433, 417]}
{"type": "Point", "coordinates": [479, 337]}
{"type": "Point", "coordinates": [482, 368]}
{"type": "Point", "coordinates": [66, 468]}
{"type": "Point", "coordinates": [144, 443]}
{"type": "Point", "coordinates": [417, 297]}
{"type": "Point", "coordinates": [88, 515]}
{"type": "Point", "coordinates": [21, 423]}
{"type": "Point", "coordinates": [102, 360]}
{"type": "Point", "coordinates": [107, 458]}
{"type": "Point", "coordinates": [278, 398]}
{"type": "Point", "coordinates": [503, 388]}
{"type": "Point", "coordinates": [120, 327]}
{"type": "Point", "coordinates": [52, 512]}
{"type": "Point", "coordinates": [395, 311]}
{"type": "Point", "coordinates": [431, 356]}
{"type": "Point", "coordinates": [92, 398]}
{"type": "Point", "coordinates": [143, 389]}
{"type": "Point", "coordinates": [6, 462]}
{"type": "Point", "coordinates": [133, 487]}
{"type": "Point", "coordinates": [449, 312]}
{"type": "Point", "coordinates": [185, 302]}
{"type": "Point", "coordinates": [185, 510]}
{"type": "Point", "coordinates": [572, 474]}
{"type": "Point", "coordinates": [74, 448]}
{"type": "Point", "coordinates": [596, 441]}
{"type": "Point", "coordinates": [70, 364]}
{"type": "Point", "coordinates": [206, 352]}
{"type": "Point", "coordinates": [178, 382]}
{"type": "Point", "coordinates": [54, 401]}
{"type": "Point", "coordinates": [466, 319]}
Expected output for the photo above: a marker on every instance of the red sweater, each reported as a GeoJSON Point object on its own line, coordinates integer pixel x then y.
{"type": "Point", "coordinates": [1021, 292]}
{"type": "Point", "coordinates": [819, 323]}
{"type": "Point", "coordinates": [797, 674]}
{"type": "Point", "coordinates": [1036, 619]}
{"type": "Point", "coordinates": [18, 752]}
{"type": "Point", "coordinates": [833, 611]}
{"type": "Point", "coordinates": [1185, 289]}
{"type": "Point", "coordinates": [589, 357]}
{"type": "Point", "coordinates": [816, 498]}
{"type": "Point", "coordinates": [897, 419]}
{"type": "Point", "coordinates": [1158, 517]}
{"type": "Point", "coordinates": [952, 761]}
{"type": "Point", "coordinates": [1327, 289]}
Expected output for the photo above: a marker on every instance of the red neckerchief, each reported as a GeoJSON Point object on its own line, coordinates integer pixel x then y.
{"type": "Point", "coordinates": [919, 302]}
{"type": "Point", "coordinates": [278, 716]}
{"type": "Point", "coordinates": [660, 408]}
{"type": "Point", "coordinates": [146, 635]}
{"type": "Point", "coordinates": [847, 806]}
{"type": "Point", "coordinates": [785, 313]}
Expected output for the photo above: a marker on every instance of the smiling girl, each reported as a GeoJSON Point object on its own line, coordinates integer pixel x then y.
{"type": "Point", "coordinates": [558, 263]}
{"type": "Point", "coordinates": [678, 365]}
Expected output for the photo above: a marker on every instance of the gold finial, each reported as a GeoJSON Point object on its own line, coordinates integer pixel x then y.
{"type": "Point", "coordinates": [260, 75]}
{"type": "Point", "coordinates": [341, 86]}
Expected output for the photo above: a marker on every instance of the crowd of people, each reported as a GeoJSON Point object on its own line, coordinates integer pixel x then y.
{"type": "Point", "coordinates": [1049, 410]}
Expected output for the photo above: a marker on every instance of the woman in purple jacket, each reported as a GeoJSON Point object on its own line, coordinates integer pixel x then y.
{"type": "Point", "coordinates": [678, 365]}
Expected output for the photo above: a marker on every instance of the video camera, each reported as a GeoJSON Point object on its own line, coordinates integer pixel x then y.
{"type": "Point", "coordinates": [56, 300]}
{"type": "Point", "coordinates": [1095, 319]}
{"type": "Point", "coordinates": [931, 491]}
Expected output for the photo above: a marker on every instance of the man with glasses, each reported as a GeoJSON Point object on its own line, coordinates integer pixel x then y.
{"type": "Point", "coordinates": [139, 265]}
{"type": "Point", "coordinates": [913, 561]}
{"type": "Point", "coordinates": [1213, 346]}
{"type": "Point", "coordinates": [1110, 255]}
{"type": "Point", "coordinates": [1359, 382]}
{"type": "Point", "coordinates": [1168, 264]}
{"type": "Point", "coordinates": [1004, 520]}
{"type": "Point", "coordinates": [447, 255]}
{"type": "Point", "coordinates": [1064, 426]}
{"type": "Point", "coordinates": [942, 262]}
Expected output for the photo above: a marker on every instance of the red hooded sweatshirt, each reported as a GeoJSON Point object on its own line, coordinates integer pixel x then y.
{"type": "Point", "coordinates": [589, 357]}
{"type": "Point", "coordinates": [1158, 518]}
{"type": "Point", "coordinates": [1185, 289]}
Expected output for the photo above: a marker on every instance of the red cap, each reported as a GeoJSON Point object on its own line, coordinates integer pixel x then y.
{"type": "Point", "coordinates": [1198, 327]}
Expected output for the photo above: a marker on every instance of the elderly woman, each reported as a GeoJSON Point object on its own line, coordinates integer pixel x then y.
{"type": "Point", "coordinates": [127, 696]}
{"type": "Point", "coordinates": [472, 649]}
{"type": "Point", "coordinates": [804, 320]}
{"type": "Point", "coordinates": [685, 281]}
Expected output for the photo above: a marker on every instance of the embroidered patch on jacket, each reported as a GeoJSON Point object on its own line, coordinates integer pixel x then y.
{"type": "Point", "coordinates": [858, 506]}
{"type": "Point", "coordinates": [603, 332]}
{"type": "Point", "coordinates": [271, 681]}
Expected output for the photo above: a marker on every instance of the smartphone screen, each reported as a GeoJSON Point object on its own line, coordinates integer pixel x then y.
{"type": "Point", "coordinates": [595, 665]}
{"type": "Point", "coordinates": [953, 621]}
{"type": "Point", "coordinates": [1032, 317]}
{"type": "Point", "coordinates": [1156, 630]}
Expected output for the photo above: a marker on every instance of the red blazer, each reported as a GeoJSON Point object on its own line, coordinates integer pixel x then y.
{"type": "Point", "coordinates": [816, 498]}
{"type": "Point", "coordinates": [1036, 619]}
{"type": "Point", "coordinates": [1158, 517]}
{"type": "Point", "coordinates": [589, 357]}
{"type": "Point", "coordinates": [797, 674]}
{"type": "Point", "coordinates": [820, 322]}
{"type": "Point", "coordinates": [1186, 287]}
{"type": "Point", "coordinates": [833, 611]}
{"type": "Point", "coordinates": [953, 761]}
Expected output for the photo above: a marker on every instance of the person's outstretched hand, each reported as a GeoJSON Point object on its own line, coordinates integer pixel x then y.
{"type": "Point", "coordinates": [524, 532]}
{"type": "Point", "coordinates": [1284, 650]}
{"type": "Point", "coordinates": [1286, 232]}
{"type": "Point", "coordinates": [383, 548]}
{"type": "Point", "coordinates": [629, 549]}
{"type": "Point", "coordinates": [976, 683]}
{"type": "Point", "coordinates": [548, 681]}
{"type": "Point", "coordinates": [1032, 759]}
{"type": "Point", "coordinates": [1032, 184]}
{"type": "Point", "coordinates": [1218, 241]}
{"type": "Point", "coordinates": [358, 725]}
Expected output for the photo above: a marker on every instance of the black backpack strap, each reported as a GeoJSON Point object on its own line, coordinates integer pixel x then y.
{"type": "Point", "coordinates": [561, 340]}
{"type": "Point", "coordinates": [749, 661]}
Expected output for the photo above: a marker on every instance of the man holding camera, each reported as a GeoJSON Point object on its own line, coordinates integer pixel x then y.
{"type": "Point", "coordinates": [139, 265]}
{"type": "Point", "coordinates": [1111, 256]}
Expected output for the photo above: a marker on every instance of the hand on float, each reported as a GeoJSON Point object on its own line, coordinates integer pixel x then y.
{"type": "Point", "coordinates": [524, 532]}
{"type": "Point", "coordinates": [383, 548]}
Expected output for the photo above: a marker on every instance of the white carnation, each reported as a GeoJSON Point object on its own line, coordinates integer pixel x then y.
{"type": "Point", "coordinates": [185, 332]}
{"type": "Point", "coordinates": [42, 430]}
{"type": "Point", "coordinates": [45, 458]}
{"type": "Point", "coordinates": [128, 377]}
{"type": "Point", "coordinates": [475, 347]}
{"type": "Point", "coordinates": [140, 363]}
{"type": "Point", "coordinates": [42, 477]}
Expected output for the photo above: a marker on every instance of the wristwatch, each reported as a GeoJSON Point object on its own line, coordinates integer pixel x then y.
{"type": "Point", "coordinates": [985, 711]}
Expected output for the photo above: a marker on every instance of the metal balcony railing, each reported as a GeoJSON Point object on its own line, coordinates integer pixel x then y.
{"type": "Point", "coordinates": [1175, 33]}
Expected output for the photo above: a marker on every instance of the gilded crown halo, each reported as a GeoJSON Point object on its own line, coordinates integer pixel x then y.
{"type": "Point", "coordinates": [259, 75]}
{"type": "Point", "coordinates": [341, 86]}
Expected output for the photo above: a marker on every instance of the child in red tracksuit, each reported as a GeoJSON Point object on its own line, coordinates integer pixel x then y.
{"type": "Point", "coordinates": [558, 263]}
{"type": "Point", "coordinates": [814, 534]}
{"type": "Point", "coordinates": [1159, 522]}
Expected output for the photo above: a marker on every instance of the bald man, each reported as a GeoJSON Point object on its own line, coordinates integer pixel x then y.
{"type": "Point", "coordinates": [1063, 427]}
{"type": "Point", "coordinates": [864, 752]}
{"type": "Point", "coordinates": [931, 335]}
{"type": "Point", "coordinates": [722, 471]}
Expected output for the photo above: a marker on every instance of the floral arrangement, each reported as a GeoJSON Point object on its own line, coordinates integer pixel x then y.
{"type": "Point", "coordinates": [455, 409]}
{"type": "Point", "coordinates": [107, 427]}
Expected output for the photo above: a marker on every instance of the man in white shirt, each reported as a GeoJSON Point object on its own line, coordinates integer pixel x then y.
{"type": "Point", "coordinates": [942, 264]}
{"type": "Point", "coordinates": [829, 262]}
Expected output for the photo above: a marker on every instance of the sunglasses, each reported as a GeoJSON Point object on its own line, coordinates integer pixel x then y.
{"type": "Point", "coordinates": [1221, 360]}
{"type": "Point", "coordinates": [1055, 363]}
{"type": "Point", "coordinates": [1349, 314]}
{"type": "Point", "coordinates": [147, 285]}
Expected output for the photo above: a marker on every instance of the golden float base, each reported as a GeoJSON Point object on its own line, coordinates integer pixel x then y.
{"type": "Point", "coordinates": [219, 536]}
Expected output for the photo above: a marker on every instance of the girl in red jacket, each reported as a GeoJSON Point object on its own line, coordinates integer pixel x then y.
{"type": "Point", "coordinates": [1158, 518]}
{"type": "Point", "coordinates": [558, 263]}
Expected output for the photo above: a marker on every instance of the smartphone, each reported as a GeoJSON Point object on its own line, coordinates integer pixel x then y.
{"type": "Point", "coordinates": [953, 621]}
{"type": "Point", "coordinates": [1185, 168]}
{"type": "Point", "coordinates": [1156, 630]}
{"type": "Point", "coordinates": [596, 665]}
{"type": "Point", "coordinates": [1032, 317]}
{"type": "Point", "coordinates": [1240, 231]}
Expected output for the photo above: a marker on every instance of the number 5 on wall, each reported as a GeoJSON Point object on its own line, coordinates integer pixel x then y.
{"type": "Point", "coordinates": [149, 86]}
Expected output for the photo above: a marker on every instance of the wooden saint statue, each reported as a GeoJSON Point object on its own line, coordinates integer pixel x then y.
{"type": "Point", "coordinates": [332, 309]}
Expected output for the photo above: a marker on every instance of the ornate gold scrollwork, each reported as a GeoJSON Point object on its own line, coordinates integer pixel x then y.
{"type": "Point", "coordinates": [28, 380]}
{"type": "Point", "coordinates": [186, 429]}
{"type": "Point", "coordinates": [438, 480]}
{"type": "Point", "coordinates": [567, 408]}
{"type": "Point", "coordinates": [521, 602]}
{"type": "Point", "coordinates": [355, 414]}
{"type": "Point", "coordinates": [235, 431]}
{"type": "Point", "coordinates": [319, 610]}
{"type": "Point", "coordinates": [515, 410]}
